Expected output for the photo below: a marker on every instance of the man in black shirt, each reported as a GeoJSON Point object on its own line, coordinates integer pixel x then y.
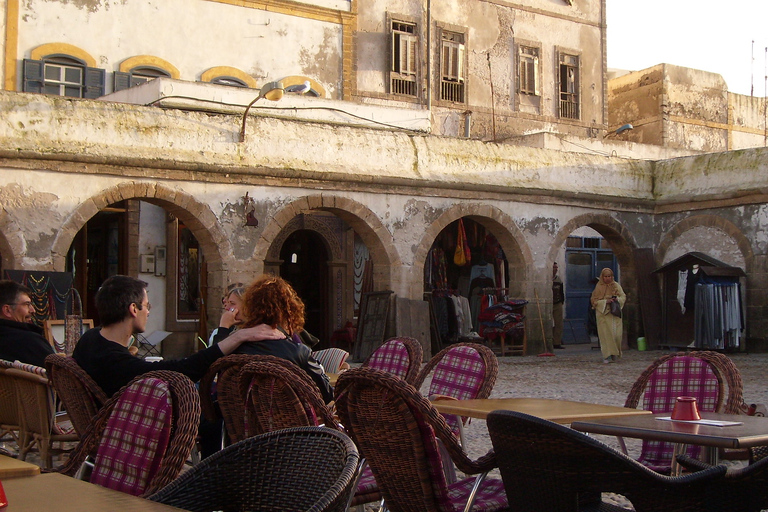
{"type": "Point", "coordinates": [123, 308]}
{"type": "Point", "coordinates": [20, 339]}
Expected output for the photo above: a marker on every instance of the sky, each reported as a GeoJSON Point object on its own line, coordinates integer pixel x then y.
{"type": "Point", "coordinates": [711, 35]}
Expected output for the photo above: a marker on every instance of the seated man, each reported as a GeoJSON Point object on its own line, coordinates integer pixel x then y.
{"type": "Point", "coordinates": [123, 308]}
{"type": "Point", "coordinates": [20, 339]}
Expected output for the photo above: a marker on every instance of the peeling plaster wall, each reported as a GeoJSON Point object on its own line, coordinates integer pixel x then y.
{"type": "Point", "coordinates": [266, 45]}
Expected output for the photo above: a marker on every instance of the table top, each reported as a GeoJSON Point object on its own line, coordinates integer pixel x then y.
{"type": "Point", "coordinates": [752, 432]}
{"type": "Point", "coordinates": [54, 491]}
{"type": "Point", "coordinates": [559, 411]}
{"type": "Point", "coordinates": [15, 468]}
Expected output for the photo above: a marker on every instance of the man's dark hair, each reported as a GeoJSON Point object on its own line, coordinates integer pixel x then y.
{"type": "Point", "coordinates": [116, 295]}
{"type": "Point", "coordinates": [10, 290]}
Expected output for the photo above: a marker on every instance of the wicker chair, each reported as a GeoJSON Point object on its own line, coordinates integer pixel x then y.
{"type": "Point", "coordinates": [277, 394]}
{"type": "Point", "coordinates": [547, 467]}
{"type": "Point", "coordinates": [705, 375]}
{"type": "Point", "coordinates": [394, 428]}
{"type": "Point", "coordinates": [742, 490]}
{"type": "Point", "coordinates": [461, 371]}
{"type": "Point", "coordinates": [38, 421]}
{"type": "Point", "coordinates": [400, 356]}
{"type": "Point", "coordinates": [159, 408]}
{"type": "Point", "coordinates": [81, 396]}
{"type": "Point", "coordinates": [332, 359]}
{"type": "Point", "coordinates": [298, 469]}
{"type": "Point", "coordinates": [10, 420]}
{"type": "Point", "coordinates": [228, 403]}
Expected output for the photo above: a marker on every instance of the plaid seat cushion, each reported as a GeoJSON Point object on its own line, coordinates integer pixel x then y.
{"type": "Point", "coordinates": [490, 495]}
{"type": "Point", "coordinates": [392, 357]}
{"type": "Point", "coordinates": [460, 375]}
{"type": "Point", "coordinates": [679, 376]}
{"type": "Point", "coordinates": [135, 438]}
{"type": "Point", "coordinates": [331, 358]}
{"type": "Point", "coordinates": [367, 484]}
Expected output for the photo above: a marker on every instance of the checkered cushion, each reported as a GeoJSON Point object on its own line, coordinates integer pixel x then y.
{"type": "Point", "coordinates": [459, 374]}
{"type": "Point", "coordinates": [490, 496]}
{"type": "Point", "coordinates": [679, 376]}
{"type": "Point", "coordinates": [331, 359]}
{"type": "Point", "coordinates": [135, 438]}
{"type": "Point", "coordinates": [391, 357]}
{"type": "Point", "coordinates": [366, 484]}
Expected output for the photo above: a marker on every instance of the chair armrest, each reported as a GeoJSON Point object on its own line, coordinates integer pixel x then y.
{"type": "Point", "coordinates": [692, 464]}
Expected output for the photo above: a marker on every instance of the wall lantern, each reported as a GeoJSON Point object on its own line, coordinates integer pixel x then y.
{"type": "Point", "coordinates": [272, 91]}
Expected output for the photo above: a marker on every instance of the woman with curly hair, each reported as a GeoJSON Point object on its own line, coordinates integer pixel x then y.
{"type": "Point", "coordinates": [270, 300]}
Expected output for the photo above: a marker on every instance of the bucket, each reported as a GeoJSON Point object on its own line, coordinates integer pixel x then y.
{"type": "Point", "coordinates": [641, 344]}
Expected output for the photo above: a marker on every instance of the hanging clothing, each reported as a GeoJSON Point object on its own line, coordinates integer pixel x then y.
{"type": "Point", "coordinates": [718, 322]}
{"type": "Point", "coordinates": [682, 285]}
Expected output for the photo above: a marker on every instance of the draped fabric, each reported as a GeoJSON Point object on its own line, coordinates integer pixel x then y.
{"type": "Point", "coordinates": [718, 323]}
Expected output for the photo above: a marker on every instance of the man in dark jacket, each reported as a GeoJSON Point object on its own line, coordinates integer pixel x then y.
{"type": "Point", "coordinates": [20, 339]}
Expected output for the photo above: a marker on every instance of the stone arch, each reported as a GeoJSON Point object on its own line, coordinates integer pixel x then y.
{"type": "Point", "coordinates": [707, 220]}
{"type": "Point", "coordinates": [196, 215]}
{"type": "Point", "coordinates": [358, 216]}
{"type": "Point", "coordinates": [501, 225]}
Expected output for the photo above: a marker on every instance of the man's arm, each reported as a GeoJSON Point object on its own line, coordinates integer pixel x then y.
{"type": "Point", "coordinates": [258, 333]}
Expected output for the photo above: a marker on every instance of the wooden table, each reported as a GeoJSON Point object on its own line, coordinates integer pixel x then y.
{"type": "Point", "coordinates": [558, 411]}
{"type": "Point", "coordinates": [753, 431]}
{"type": "Point", "coordinates": [15, 468]}
{"type": "Point", "coordinates": [54, 491]}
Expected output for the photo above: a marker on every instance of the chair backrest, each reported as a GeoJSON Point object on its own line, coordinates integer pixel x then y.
{"type": "Point", "coordinates": [550, 467]}
{"type": "Point", "coordinates": [143, 435]}
{"type": "Point", "coordinates": [670, 376]}
{"type": "Point", "coordinates": [462, 371]}
{"type": "Point", "coordinates": [10, 419]}
{"type": "Point", "coordinates": [81, 396]}
{"type": "Point", "coordinates": [35, 401]}
{"type": "Point", "coordinates": [308, 468]}
{"type": "Point", "coordinates": [399, 356]}
{"type": "Point", "coordinates": [278, 394]}
{"type": "Point", "coordinates": [222, 384]}
{"type": "Point", "coordinates": [406, 462]}
{"type": "Point", "coordinates": [331, 358]}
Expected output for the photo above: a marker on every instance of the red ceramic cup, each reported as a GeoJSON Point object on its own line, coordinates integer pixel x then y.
{"type": "Point", "coordinates": [686, 409]}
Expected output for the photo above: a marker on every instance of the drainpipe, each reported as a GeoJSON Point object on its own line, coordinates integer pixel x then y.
{"type": "Point", "coordinates": [467, 123]}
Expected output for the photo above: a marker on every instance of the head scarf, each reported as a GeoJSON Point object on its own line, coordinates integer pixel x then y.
{"type": "Point", "coordinates": [604, 291]}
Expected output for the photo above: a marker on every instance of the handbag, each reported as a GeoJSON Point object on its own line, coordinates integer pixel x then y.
{"type": "Point", "coordinates": [615, 309]}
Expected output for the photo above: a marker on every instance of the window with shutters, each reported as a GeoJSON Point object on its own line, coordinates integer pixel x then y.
{"type": "Point", "coordinates": [405, 53]}
{"type": "Point", "coordinates": [528, 70]}
{"type": "Point", "coordinates": [452, 74]}
{"type": "Point", "coordinates": [137, 76]}
{"type": "Point", "coordinates": [62, 75]}
{"type": "Point", "coordinates": [569, 85]}
{"type": "Point", "coordinates": [229, 80]}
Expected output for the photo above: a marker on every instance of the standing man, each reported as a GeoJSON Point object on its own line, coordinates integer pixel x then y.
{"type": "Point", "coordinates": [124, 308]}
{"type": "Point", "coordinates": [558, 299]}
{"type": "Point", "coordinates": [20, 339]}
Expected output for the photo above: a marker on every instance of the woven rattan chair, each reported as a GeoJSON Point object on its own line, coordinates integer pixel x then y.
{"type": "Point", "coordinates": [278, 394]}
{"type": "Point", "coordinates": [705, 375]}
{"type": "Point", "coordinates": [332, 359]}
{"type": "Point", "coordinates": [396, 430]}
{"type": "Point", "coordinates": [143, 435]}
{"type": "Point", "coordinates": [399, 356]}
{"type": "Point", "coordinates": [742, 490]}
{"type": "Point", "coordinates": [10, 419]}
{"type": "Point", "coordinates": [461, 371]}
{"type": "Point", "coordinates": [81, 396]}
{"type": "Point", "coordinates": [220, 394]}
{"type": "Point", "coordinates": [298, 469]}
{"type": "Point", "coordinates": [547, 467]}
{"type": "Point", "coordinates": [38, 420]}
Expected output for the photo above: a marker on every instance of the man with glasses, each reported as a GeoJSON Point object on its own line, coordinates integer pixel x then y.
{"type": "Point", "coordinates": [20, 339]}
{"type": "Point", "coordinates": [124, 308]}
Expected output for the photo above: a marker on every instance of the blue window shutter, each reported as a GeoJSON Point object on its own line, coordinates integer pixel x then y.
{"type": "Point", "coordinates": [95, 79]}
{"type": "Point", "coordinates": [122, 81]}
{"type": "Point", "coordinates": [33, 76]}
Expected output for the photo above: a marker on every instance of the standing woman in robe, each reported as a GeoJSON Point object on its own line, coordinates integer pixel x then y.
{"type": "Point", "coordinates": [609, 327]}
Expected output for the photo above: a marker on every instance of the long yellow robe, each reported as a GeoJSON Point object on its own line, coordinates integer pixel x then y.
{"type": "Point", "coordinates": [609, 327]}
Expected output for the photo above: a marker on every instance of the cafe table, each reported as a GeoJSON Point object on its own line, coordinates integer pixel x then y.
{"type": "Point", "coordinates": [713, 431]}
{"type": "Point", "coordinates": [558, 411]}
{"type": "Point", "coordinates": [15, 468]}
{"type": "Point", "coordinates": [60, 493]}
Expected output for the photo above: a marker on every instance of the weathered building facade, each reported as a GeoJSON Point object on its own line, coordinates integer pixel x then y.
{"type": "Point", "coordinates": [376, 163]}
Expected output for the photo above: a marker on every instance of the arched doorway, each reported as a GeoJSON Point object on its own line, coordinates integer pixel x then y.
{"type": "Point", "coordinates": [305, 265]}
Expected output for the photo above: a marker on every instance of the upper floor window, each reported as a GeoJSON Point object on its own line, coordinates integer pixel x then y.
{"type": "Point", "coordinates": [569, 86]}
{"type": "Point", "coordinates": [405, 52]}
{"type": "Point", "coordinates": [228, 80]}
{"type": "Point", "coordinates": [452, 73]}
{"type": "Point", "coordinates": [63, 75]}
{"type": "Point", "coordinates": [137, 76]}
{"type": "Point", "coordinates": [528, 70]}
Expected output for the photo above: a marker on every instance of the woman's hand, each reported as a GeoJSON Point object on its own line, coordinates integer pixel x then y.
{"type": "Point", "coordinates": [228, 317]}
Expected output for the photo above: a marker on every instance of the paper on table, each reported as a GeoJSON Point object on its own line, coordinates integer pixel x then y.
{"type": "Point", "coordinates": [713, 423]}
